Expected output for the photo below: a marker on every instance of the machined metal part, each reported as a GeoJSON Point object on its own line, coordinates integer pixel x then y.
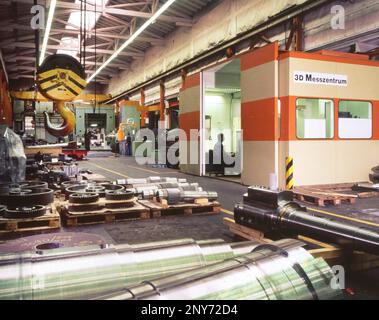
{"type": "Point", "coordinates": [24, 197]}
{"type": "Point", "coordinates": [120, 204]}
{"type": "Point", "coordinates": [83, 188]}
{"type": "Point", "coordinates": [25, 212]}
{"type": "Point", "coordinates": [282, 270]}
{"type": "Point", "coordinates": [33, 185]}
{"type": "Point", "coordinates": [275, 211]}
{"type": "Point", "coordinates": [132, 182]}
{"type": "Point", "coordinates": [83, 197]}
{"type": "Point", "coordinates": [176, 195]}
{"type": "Point", "coordinates": [51, 241]}
{"type": "Point", "coordinates": [88, 272]}
{"type": "Point", "coordinates": [100, 190]}
{"type": "Point", "coordinates": [67, 184]}
{"type": "Point", "coordinates": [30, 185]}
{"type": "Point", "coordinates": [119, 195]}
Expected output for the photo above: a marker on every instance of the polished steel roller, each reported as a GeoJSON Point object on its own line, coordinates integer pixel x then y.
{"type": "Point", "coordinates": [282, 270]}
{"type": "Point", "coordinates": [84, 272]}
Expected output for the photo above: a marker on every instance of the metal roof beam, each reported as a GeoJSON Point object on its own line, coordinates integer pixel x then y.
{"type": "Point", "coordinates": [142, 38]}
{"type": "Point", "coordinates": [54, 47]}
{"type": "Point", "coordinates": [123, 12]}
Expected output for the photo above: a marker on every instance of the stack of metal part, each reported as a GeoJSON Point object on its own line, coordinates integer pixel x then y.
{"type": "Point", "coordinates": [275, 212]}
{"type": "Point", "coordinates": [27, 199]}
{"type": "Point", "coordinates": [174, 190]}
{"type": "Point", "coordinates": [180, 269]}
{"type": "Point", "coordinates": [87, 272]}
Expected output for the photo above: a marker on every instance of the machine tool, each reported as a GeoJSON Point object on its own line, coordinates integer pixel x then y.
{"type": "Point", "coordinates": [275, 212]}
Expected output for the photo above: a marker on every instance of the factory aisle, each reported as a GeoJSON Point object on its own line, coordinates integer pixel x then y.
{"type": "Point", "coordinates": [205, 227]}
{"type": "Point", "coordinates": [126, 167]}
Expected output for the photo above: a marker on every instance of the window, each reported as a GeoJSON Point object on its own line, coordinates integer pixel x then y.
{"type": "Point", "coordinates": [355, 120]}
{"type": "Point", "coordinates": [314, 118]}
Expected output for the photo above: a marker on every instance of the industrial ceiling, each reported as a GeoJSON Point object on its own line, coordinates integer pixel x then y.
{"type": "Point", "coordinates": [115, 21]}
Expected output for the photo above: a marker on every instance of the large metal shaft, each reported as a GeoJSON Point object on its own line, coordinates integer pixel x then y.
{"type": "Point", "coordinates": [274, 211]}
{"type": "Point", "coordinates": [279, 271]}
{"type": "Point", "coordinates": [84, 272]}
{"type": "Point", "coordinates": [176, 195]}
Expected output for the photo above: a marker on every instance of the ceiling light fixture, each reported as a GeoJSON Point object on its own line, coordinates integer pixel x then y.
{"type": "Point", "coordinates": [148, 22]}
{"type": "Point", "coordinates": [53, 4]}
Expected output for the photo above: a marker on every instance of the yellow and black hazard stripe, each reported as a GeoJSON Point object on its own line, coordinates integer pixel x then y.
{"type": "Point", "coordinates": [289, 173]}
{"type": "Point", "coordinates": [61, 84]}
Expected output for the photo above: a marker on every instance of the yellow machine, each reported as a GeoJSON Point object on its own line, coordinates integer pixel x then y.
{"type": "Point", "coordinates": [61, 78]}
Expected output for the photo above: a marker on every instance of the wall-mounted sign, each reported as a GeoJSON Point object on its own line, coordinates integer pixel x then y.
{"type": "Point", "coordinates": [328, 79]}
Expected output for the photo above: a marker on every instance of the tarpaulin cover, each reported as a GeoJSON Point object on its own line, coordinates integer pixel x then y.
{"type": "Point", "coordinates": [12, 156]}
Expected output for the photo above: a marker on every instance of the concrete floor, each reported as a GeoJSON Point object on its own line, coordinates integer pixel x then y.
{"type": "Point", "coordinates": [364, 285]}
{"type": "Point", "coordinates": [197, 227]}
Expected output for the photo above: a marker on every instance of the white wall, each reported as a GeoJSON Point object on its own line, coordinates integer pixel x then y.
{"type": "Point", "coordinates": [222, 108]}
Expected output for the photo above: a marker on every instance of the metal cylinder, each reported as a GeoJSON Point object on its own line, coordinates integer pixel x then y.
{"type": "Point", "coordinates": [274, 211]}
{"type": "Point", "coordinates": [176, 195]}
{"type": "Point", "coordinates": [282, 270]}
{"type": "Point", "coordinates": [150, 180]}
{"type": "Point", "coordinates": [84, 272]}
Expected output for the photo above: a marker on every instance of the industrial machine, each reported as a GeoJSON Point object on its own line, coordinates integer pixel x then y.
{"type": "Point", "coordinates": [275, 212]}
{"type": "Point", "coordinates": [61, 78]}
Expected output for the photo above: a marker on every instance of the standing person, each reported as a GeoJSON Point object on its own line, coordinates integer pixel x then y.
{"type": "Point", "coordinates": [121, 140]}
{"type": "Point", "coordinates": [128, 145]}
{"type": "Point", "coordinates": [87, 140]}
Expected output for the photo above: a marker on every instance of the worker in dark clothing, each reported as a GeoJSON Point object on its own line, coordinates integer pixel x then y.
{"type": "Point", "coordinates": [218, 150]}
{"type": "Point", "coordinates": [87, 140]}
{"type": "Point", "coordinates": [128, 145]}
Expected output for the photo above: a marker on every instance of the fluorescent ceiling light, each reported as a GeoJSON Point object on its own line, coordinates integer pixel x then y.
{"type": "Point", "coordinates": [74, 21]}
{"type": "Point", "coordinates": [148, 22]}
{"type": "Point", "coordinates": [53, 4]}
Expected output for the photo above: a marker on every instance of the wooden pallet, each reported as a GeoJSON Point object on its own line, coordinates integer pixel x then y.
{"type": "Point", "coordinates": [162, 209]}
{"type": "Point", "coordinates": [104, 215]}
{"type": "Point", "coordinates": [49, 221]}
{"type": "Point", "coordinates": [322, 197]}
{"type": "Point", "coordinates": [355, 261]}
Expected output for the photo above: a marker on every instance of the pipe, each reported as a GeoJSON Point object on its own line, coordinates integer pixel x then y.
{"type": "Point", "coordinates": [68, 124]}
{"type": "Point", "coordinates": [282, 270]}
{"type": "Point", "coordinates": [275, 211]}
{"type": "Point", "coordinates": [83, 272]}
{"type": "Point", "coordinates": [176, 195]}
{"type": "Point", "coordinates": [133, 182]}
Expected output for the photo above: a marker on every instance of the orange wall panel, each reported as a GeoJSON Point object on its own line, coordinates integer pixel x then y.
{"type": "Point", "coordinates": [190, 81]}
{"type": "Point", "coordinates": [6, 114]}
{"type": "Point", "coordinates": [375, 120]}
{"type": "Point", "coordinates": [259, 120]}
{"type": "Point", "coordinates": [329, 58]}
{"type": "Point", "coordinates": [259, 56]}
{"type": "Point", "coordinates": [188, 121]}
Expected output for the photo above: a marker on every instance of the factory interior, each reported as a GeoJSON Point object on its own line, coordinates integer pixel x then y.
{"type": "Point", "coordinates": [189, 150]}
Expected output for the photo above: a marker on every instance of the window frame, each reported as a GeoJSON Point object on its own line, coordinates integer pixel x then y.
{"type": "Point", "coordinates": [372, 119]}
{"type": "Point", "coordinates": [334, 118]}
